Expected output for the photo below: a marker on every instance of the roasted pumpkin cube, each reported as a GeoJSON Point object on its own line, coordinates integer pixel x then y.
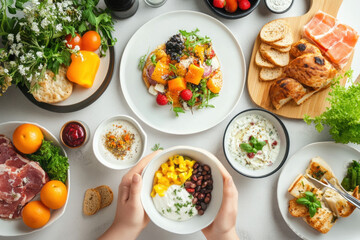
{"type": "Point", "coordinates": [215, 82]}
{"type": "Point", "coordinates": [200, 52]}
{"type": "Point", "coordinates": [160, 72]}
{"type": "Point", "coordinates": [176, 84]}
{"type": "Point", "coordinates": [194, 75]}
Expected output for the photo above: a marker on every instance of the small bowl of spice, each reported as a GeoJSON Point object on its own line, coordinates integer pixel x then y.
{"type": "Point", "coordinates": [74, 134]}
{"type": "Point", "coordinates": [279, 6]}
{"type": "Point", "coordinates": [119, 142]}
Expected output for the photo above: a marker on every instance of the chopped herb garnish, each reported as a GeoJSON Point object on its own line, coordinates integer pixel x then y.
{"type": "Point", "coordinates": [253, 146]}
{"type": "Point", "coordinates": [153, 59]}
{"type": "Point", "coordinates": [157, 147]}
{"type": "Point", "coordinates": [192, 39]}
{"type": "Point", "coordinates": [178, 110]}
{"type": "Point", "coordinates": [173, 68]}
{"type": "Point", "coordinates": [311, 202]}
{"type": "Point", "coordinates": [168, 210]}
{"type": "Point", "coordinates": [191, 213]}
{"type": "Point", "coordinates": [142, 62]}
{"type": "Point", "coordinates": [208, 62]}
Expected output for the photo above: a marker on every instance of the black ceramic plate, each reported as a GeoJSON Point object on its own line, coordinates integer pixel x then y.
{"type": "Point", "coordinates": [81, 98]}
{"type": "Point", "coordinates": [238, 14]}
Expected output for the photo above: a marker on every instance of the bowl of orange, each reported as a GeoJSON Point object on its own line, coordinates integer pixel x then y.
{"type": "Point", "coordinates": [50, 203]}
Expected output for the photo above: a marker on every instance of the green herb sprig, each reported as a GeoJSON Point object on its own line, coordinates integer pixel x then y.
{"type": "Point", "coordinates": [157, 147]}
{"type": "Point", "coordinates": [311, 202]}
{"type": "Point", "coordinates": [253, 146]}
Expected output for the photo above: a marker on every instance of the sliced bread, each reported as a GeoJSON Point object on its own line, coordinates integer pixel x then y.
{"type": "Point", "coordinates": [286, 42]}
{"type": "Point", "coordinates": [106, 194]}
{"type": "Point", "coordinates": [274, 31]}
{"type": "Point", "coordinates": [284, 50]}
{"type": "Point", "coordinates": [92, 202]}
{"type": "Point", "coordinates": [269, 74]}
{"type": "Point", "coordinates": [262, 62]}
{"type": "Point", "coordinates": [274, 56]}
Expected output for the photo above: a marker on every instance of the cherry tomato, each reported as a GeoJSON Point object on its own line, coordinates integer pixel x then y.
{"type": "Point", "coordinates": [91, 41]}
{"type": "Point", "coordinates": [71, 41]}
{"type": "Point", "coordinates": [219, 3]}
{"type": "Point", "coordinates": [231, 6]}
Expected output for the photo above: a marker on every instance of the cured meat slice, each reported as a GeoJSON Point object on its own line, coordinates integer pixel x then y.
{"type": "Point", "coordinates": [335, 40]}
{"type": "Point", "coordinates": [20, 180]}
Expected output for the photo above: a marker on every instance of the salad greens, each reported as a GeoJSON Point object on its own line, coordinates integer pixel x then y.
{"type": "Point", "coordinates": [253, 146]}
{"type": "Point", "coordinates": [50, 159]}
{"type": "Point", "coordinates": [343, 116]}
{"type": "Point", "coordinates": [352, 178]}
{"type": "Point", "coordinates": [311, 202]}
{"type": "Point", "coordinates": [157, 147]}
{"type": "Point", "coordinates": [142, 62]}
{"type": "Point", "coordinates": [34, 39]}
{"type": "Point", "coordinates": [193, 39]}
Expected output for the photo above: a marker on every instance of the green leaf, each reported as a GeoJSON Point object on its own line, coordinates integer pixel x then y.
{"type": "Point", "coordinates": [208, 62]}
{"type": "Point", "coordinates": [142, 62]}
{"type": "Point", "coordinates": [303, 201]}
{"type": "Point", "coordinates": [12, 10]}
{"type": "Point", "coordinates": [178, 110]}
{"type": "Point", "coordinates": [247, 148]}
{"type": "Point", "coordinates": [312, 210]}
{"type": "Point", "coordinates": [82, 28]}
{"type": "Point", "coordinates": [153, 59]}
{"type": "Point", "coordinates": [157, 147]}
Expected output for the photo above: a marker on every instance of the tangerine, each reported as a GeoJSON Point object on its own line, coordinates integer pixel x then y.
{"type": "Point", "coordinates": [53, 194]}
{"type": "Point", "coordinates": [27, 138]}
{"type": "Point", "coordinates": [35, 214]}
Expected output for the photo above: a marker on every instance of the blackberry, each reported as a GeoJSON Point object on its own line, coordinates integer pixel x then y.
{"type": "Point", "coordinates": [174, 47]}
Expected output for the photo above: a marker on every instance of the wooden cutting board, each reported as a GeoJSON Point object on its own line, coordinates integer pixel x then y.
{"type": "Point", "coordinates": [259, 90]}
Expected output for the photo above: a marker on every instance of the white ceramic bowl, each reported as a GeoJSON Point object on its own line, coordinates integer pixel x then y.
{"type": "Point", "coordinates": [99, 148]}
{"type": "Point", "coordinates": [197, 222]}
{"type": "Point", "coordinates": [284, 145]}
{"type": "Point", "coordinates": [17, 227]}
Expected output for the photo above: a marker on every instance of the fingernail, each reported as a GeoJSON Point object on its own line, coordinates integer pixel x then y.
{"type": "Point", "coordinates": [136, 178]}
{"type": "Point", "coordinates": [229, 182]}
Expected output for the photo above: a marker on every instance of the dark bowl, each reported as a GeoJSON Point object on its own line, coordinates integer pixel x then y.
{"type": "Point", "coordinates": [235, 15]}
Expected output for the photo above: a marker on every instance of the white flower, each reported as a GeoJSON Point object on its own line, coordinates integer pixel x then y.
{"type": "Point", "coordinates": [35, 27]}
{"type": "Point", "coordinates": [11, 37]}
{"type": "Point", "coordinates": [77, 48]}
{"type": "Point", "coordinates": [35, 2]}
{"type": "Point", "coordinates": [67, 18]}
{"type": "Point", "coordinates": [6, 71]}
{"type": "Point", "coordinates": [22, 58]}
{"type": "Point", "coordinates": [59, 27]}
{"type": "Point", "coordinates": [18, 37]}
{"type": "Point", "coordinates": [40, 54]}
{"type": "Point", "coordinates": [17, 52]}
{"type": "Point", "coordinates": [29, 78]}
{"type": "Point", "coordinates": [30, 55]}
{"type": "Point", "coordinates": [12, 63]}
{"type": "Point", "coordinates": [69, 45]}
{"type": "Point", "coordinates": [22, 69]}
{"type": "Point", "coordinates": [44, 23]}
{"type": "Point", "coordinates": [19, 46]}
{"type": "Point", "coordinates": [40, 66]}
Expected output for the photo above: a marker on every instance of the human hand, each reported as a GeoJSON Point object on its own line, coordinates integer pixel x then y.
{"type": "Point", "coordinates": [223, 227]}
{"type": "Point", "coordinates": [130, 218]}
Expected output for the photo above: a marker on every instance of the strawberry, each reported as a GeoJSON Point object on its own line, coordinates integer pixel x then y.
{"type": "Point", "coordinates": [219, 3]}
{"type": "Point", "coordinates": [161, 99]}
{"type": "Point", "coordinates": [244, 4]}
{"type": "Point", "coordinates": [186, 94]}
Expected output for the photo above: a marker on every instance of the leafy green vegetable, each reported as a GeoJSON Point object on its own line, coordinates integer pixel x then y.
{"type": "Point", "coordinates": [208, 61]}
{"type": "Point", "coordinates": [343, 116]}
{"type": "Point", "coordinates": [50, 159]}
{"type": "Point", "coordinates": [157, 147]}
{"type": "Point", "coordinates": [153, 59]}
{"type": "Point", "coordinates": [142, 62]}
{"type": "Point", "coordinates": [178, 110]}
{"type": "Point", "coordinates": [253, 146]}
{"type": "Point", "coordinates": [192, 39]}
{"type": "Point", "coordinates": [352, 178]}
{"type": "Point", "coordinates": [311, 202]}
{"type": "Point", "coordinates": [173, 68]}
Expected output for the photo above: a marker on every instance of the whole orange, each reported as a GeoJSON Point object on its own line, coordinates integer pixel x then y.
{"type": "Point", "coordinates": [53, 194]}
{"type": "Point", "coordinates": [90, 41]}
{"type": "Point", "coordinates": [35, 214]}
{"type": "Point", "coordinates": [27, 138]}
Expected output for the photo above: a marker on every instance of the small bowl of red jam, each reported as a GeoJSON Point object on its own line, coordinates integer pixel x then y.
{"type": "Point", "coordinates": [74, 134]}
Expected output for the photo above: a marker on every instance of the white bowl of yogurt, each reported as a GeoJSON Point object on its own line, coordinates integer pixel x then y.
{"type": "Point", "coordinates": [119, 142]}
{"type": "Point", "coordinates": [256, 143]}
{"type": "Point", "coordinates": [162, 210]}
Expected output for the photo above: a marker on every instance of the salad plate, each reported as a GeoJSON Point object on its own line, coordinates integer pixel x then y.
{"type": "Point", "coordinates": [81, 97]}
{"type": "Point", "coordinates": [338, 156]}
{"type": "Point", "coordinates": [142, 102]}
{"type": "Point", "coordinates": [17, 227]}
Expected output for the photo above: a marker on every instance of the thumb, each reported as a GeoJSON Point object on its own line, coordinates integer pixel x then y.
{"type": "Point", "coordinates": [135, 188]}
{"type": "Point", "coordinates": [230, 196]}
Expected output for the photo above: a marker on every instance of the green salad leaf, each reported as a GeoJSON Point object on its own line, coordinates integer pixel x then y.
{"type": "Point", "coordinates": [343, 115]}
{"type": "Point", "coordinates": [311, 202]}
{"type": "Point", "coordinates": [50, 159]}
{"type": "Point", "coordinates": [253, 146]}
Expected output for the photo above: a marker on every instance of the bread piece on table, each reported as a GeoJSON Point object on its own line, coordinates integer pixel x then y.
{"type": "Point", "coordinates": [304, 47]}
{"type": "Point", "coordinates": [274, 31]}
{"type": "Point", "coordinates": [92, 202]}
{"type": "Point", "coordinates": [53, 89]}
{"type": "Point", "coordinates": [297, 210]}
{"type": "Point", "coordinates": [269, 74]}
{"type": "Point", "coordinates": [282, 91]}
{"type": "Point", "coordinates": [106, 194]}
{"type": "Point", "coordinates": [274, 56]}
{"type": "Point", "coordinates": [262, 62]}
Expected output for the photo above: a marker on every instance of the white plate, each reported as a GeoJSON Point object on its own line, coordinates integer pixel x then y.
{"type": "Point", "coordinates": [17, 227]}
{"type": "Point", "coordinates": [82, 97]}
{"type": "Point", "coordinates": [197, 222]}
{"type": "Point", "coordinates": [338, 156]}
{"type": "Point", "coordinates": [158, 31]}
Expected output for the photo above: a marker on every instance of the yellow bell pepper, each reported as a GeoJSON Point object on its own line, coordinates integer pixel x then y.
{"type": "Point", "coordinates": [83, 68]}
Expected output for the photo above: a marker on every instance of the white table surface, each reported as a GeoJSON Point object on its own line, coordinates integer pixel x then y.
{"type": "Point", "coordinates": [258, 216]}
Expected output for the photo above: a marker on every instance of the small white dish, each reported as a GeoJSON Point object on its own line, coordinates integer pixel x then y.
{"type": "Point", "coordinates": [338, 156]}
{"type": "Point", "coordinates": [197, 222]}
{"type": "Point", "coordinates": [284, 145]}
{"type": "Point", "coordinates": [105, 157]}
{"type": "Point", "coordinates": [17, 227]}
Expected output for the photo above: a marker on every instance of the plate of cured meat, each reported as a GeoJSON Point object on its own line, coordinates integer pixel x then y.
{"type": "Point", "coordinates": [24, 175]}
{"type": "Point", "coordinates": [187, 77]}
{"type": "Point", "coordinates": [295, 60]}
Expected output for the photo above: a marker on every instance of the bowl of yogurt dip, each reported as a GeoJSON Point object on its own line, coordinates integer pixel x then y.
{"type": "Point", "coordinates": [119, 142]}
{"type": "Point", "coordinates": [182, 189]}
{"type": "Point", "coordinates": [256, 143]}
{"type": "Point", "coordinates": [279, 6]}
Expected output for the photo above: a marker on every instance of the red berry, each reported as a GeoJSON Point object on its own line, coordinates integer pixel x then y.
{"type": "Point", "coordinates": [219, 3]}
{"type": "Point", "coordinates": [190, 190]}
{"type": "Point", "coordinates": [186, 94]}
{"type": "Point", "coordinates": [161, 99]}
{"type": "Point", "coordinates": [244, 4]}
{"type": "Point", "coordinates": [251, 155]}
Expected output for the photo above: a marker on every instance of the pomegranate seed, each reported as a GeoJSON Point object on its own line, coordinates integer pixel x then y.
{"type": "Point", "coordinates": [274, 143]}
{"type": "Point", "coordinates": [252, 123]}
{"type": "Point", "coordinates": [251, 155]}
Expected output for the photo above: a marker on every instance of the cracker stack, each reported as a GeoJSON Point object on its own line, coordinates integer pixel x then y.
{"type": "Point", "coordinates": [96, 199]}
{"type": "Point", "coordinates": [273, 53]}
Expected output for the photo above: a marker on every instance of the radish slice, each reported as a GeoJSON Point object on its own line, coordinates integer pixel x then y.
{"type": "Point", "coordinates": [149, 72]}
{"type": "Point", "coordinates": [207, 70]}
